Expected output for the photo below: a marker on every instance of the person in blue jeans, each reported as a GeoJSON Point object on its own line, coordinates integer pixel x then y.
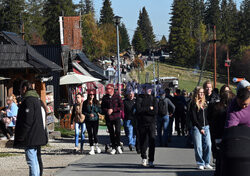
{"type": "Point", "coordinates": [201, 132]}
{"type": "Point", "coordinates": [78, 117]}
{"type": "Point", "coordinates": [163, 119]}
{"type": "Point", "coordinates": [30, 130]}
{"type": "Point", "coordinates": [129, 119]}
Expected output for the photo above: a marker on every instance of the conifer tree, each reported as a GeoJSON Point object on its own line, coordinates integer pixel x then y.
{"type": "Point", "coordinates": [163, 41]}
{"type": "Point", "coordinates": [138, 41]}
{"type": "Point", "coordinates": [34, 29]}
{"type": "Point", "coordinates": [180, 39]}
{"type": "Point", "coordinates": [146, 29]}
{"type": "Point", "coordinates": [12, 14]}
{"type": "Point", "coordinates": [228, 22]}
{"type": "Point", "coordinates": [212, 15]}
{"type": "Point", "coordinates": [52, 10]}
{"type": "Point", "coordinates": [244, 24]}
{"type": "Point", "coordinates": [124, 42]}
{"type": "Point", "coordinates": [107, 15]}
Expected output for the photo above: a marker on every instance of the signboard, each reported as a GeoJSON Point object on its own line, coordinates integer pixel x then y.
{"type": "Point", "coordinates": [227, 63]}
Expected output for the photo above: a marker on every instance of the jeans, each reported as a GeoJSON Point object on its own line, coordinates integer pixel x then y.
{"type": "Point", "coordinates": [32, 161]}
{"type": "Point", "coordinates": [129, 129]}
{"type": "Point", "coordinates": [170, 127]}
{"type": "Point", "coordinates": [83, 129]}
{"type": "Point", "coordinates": [202, 146]}
{"type": "Point", "coordinates": [162, 122]}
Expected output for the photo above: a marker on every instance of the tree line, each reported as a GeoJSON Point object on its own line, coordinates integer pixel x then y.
{"type": "Point", "coordinates": [191, 31]}
{"type": "Point", "coordinates": [191, 27]}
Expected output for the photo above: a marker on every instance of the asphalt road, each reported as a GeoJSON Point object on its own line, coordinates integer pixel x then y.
{"type": "Point", "coordinates": [174, 160]}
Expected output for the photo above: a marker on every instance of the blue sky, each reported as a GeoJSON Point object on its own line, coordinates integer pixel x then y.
{"type": "Point", "coordinates": [158, 10]}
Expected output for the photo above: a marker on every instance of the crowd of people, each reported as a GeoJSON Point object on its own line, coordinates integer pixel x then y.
{"type": "Point", "coordinates": [210, 120]}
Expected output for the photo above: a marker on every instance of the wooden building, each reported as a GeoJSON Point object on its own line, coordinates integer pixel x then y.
{"type": "Point", "coordinates": [19, 61]}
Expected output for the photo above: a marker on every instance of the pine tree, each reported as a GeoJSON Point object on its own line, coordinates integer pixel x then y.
{"type": "Point", "coordinates": [146, 29]}
{"type": "Point", "coordinates": [93, 44]}
{"type": "Point", "coordinates": [212, 15]}
{"type": "Point", "coordinates": [228, 22]}
{"type": "Point", "coordinates": [124, 42]}
{"type": "Point", "coordinates": [34, 29]}
{"type": "Point", "coordinates": [89, 7]}
{"type": "Point", "coordinates": [52, 10]}
{"type": "Point", "coordinates": [163, 41]}
{"type": "Point", "coordinates": [12, 14]}
{"type": "Point", "coordinates": [107, 15]}
{"type": "Point", "coordinates": [138, 41]}
{"type": "Point", "coordinates": [180, 39]}
{"type": "Point", "coordinates": [244, 24]}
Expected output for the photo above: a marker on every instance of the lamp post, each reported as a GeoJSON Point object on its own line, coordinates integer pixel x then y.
{"type": "Point", "coordinates": [117, 20]}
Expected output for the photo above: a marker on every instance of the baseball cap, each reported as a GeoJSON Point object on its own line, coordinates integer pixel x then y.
{"type": "Point", "coordinates": [110, 86]}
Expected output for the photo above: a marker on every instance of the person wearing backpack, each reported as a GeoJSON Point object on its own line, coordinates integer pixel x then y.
{"type": "Point", "coordinates": [78, 117]}
{"type": "Point", "coordinates": [164, 105]}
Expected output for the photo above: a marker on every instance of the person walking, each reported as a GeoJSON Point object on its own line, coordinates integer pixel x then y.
{"type": "Point", "coordinates": [90, 110]}
{"type": "Point", "coordinates": [78, 117]}
{"type": "Point", "coordinates": [30, 131]}
{"type": "Point", "coordinates": [163, 118]}
{"type": "Point", "coordinates": [180, 118]}
{"type": "Point", "coordinates": [147, 108]}
{"type": "Point", "coordinates": [201, 132]}
{"type": "Point", "coordinates": [129, 120]}
{"type": "Point", "coordinates": [112, 107]}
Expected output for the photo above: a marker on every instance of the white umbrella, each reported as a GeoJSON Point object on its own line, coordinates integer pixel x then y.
{"type": "Point", "coordinates": [3, 78]}
{"type": "Point", "coordinates": [74, 78]}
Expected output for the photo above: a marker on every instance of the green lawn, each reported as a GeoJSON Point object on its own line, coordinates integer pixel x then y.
{"type": "Point", "coordinates": [188, 77]}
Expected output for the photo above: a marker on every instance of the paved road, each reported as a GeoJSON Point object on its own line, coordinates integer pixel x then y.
{"type": "Point", "coordinates": [174, 160]}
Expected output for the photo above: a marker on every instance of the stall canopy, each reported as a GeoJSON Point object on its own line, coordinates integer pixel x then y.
{"type": "Point", "coordinates": [74, 78]}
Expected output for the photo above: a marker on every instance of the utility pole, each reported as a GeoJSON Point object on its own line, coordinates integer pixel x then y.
{"type": "Point", "coordinates": [154, 73]}
{"type": "Point", "coordinates": [215, 61]}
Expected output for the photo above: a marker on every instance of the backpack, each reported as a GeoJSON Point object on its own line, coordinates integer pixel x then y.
{"type": "Point", "coordinates": [162, 107]}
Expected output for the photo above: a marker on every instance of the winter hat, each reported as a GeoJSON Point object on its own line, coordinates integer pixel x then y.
{"type": "Point", "coordinates": [242, 84]}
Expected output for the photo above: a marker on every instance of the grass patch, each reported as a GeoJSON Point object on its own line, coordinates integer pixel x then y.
{"type": "Point", "coordinates": [188, 77]}
{"type": "Point", "coordinates": [64, 132]}
{"type": "Point", "coordinates": [7, 155]}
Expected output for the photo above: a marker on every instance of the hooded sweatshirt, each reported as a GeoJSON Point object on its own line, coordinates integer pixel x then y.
{"type": "Point", "coordinates": [237, 116]}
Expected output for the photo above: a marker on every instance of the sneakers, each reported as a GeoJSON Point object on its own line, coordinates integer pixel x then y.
{"type": "Point", "coordinates": [200, 167]}
{"type": "Point", "coordinates": [208, 166]}
{"type": "Point", "coordinates": [119, 150]}
{"type": "Point", "coordinates": [12, 138]}
{"type": "Point", "coordinates": [144, 162]}
{"type": "Point", "coordinates": [151, 164]}
{"type": "Point", "coordinates": [98, 150]}
{"type": "Point", "coordinates": [113, 151]}
{"type": "Point", "coordinates": [92, 150]}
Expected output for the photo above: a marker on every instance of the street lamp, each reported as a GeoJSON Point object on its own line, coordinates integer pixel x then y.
{"type": "Point", "coordinates": [117, 20]}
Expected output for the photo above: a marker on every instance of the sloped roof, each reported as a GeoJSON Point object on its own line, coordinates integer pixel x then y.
{"type": "Point", "coordinates": [94, 70]}
{"type": "Point", "coordinates": [28, 57]}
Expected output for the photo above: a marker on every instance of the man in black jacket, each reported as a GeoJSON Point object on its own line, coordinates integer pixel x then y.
{"type": "Point", "coordinates": [147, 108]}
{"type": "Point", "coordinates": [30, 132]}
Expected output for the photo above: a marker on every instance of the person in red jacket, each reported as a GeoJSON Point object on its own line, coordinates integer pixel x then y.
{"type": "Point", "coordinates": [112, 106]}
